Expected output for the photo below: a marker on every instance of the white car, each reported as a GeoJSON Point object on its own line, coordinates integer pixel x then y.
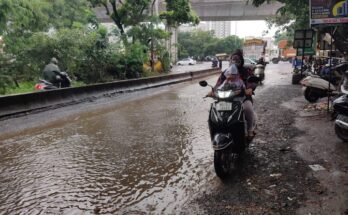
{"type": "Point", "coordinates": [186, 61]}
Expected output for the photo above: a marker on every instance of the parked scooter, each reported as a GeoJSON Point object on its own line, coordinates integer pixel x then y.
{"type": "Point", "coordinates": [340, 106]}
{"type": "Point", "coordinates": [315, 86]}
{"type": "Point", "coordinates": [227, 127]}
{"type": "Point", "coordinates": [63, 82]}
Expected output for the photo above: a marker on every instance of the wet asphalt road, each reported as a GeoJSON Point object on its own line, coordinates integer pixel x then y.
{"type": "Point", "coordinates": [199, 66]}
{"type": "Point", "coordinates": [149, 153]}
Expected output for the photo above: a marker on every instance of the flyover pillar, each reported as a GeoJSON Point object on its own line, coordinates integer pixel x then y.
{"type": "Point", "coordinates": [171, 43]}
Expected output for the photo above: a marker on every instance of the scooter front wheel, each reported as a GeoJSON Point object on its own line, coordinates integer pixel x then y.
{"type": "Point", "coordinates": [223, 162]}
{"type": "Point", "coordinates": [341, 133]}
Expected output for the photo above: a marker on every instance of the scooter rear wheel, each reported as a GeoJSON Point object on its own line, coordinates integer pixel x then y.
{"type": "Point", "coordinates": [341, 133]}
{"type": "Point", "coordinates": [310, 95]}
{"type": "Point", "coordinates": [296, 78]}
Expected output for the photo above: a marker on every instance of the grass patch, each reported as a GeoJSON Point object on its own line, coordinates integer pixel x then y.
{"type": "Point", "coordinates": [29, 87]}
{"type": "Point", "coordinates": [24, 87]}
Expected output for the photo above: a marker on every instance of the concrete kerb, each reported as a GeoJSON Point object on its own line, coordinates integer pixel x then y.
{"type": "Point", "coordinates": [38, 101]}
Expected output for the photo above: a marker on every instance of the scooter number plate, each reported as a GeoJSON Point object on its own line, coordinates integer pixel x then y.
{"type": "Point", "coordinates": [224, 106]}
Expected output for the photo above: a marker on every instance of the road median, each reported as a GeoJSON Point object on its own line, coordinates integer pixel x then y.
{"type": "Point", "coordinates": [39, 101]}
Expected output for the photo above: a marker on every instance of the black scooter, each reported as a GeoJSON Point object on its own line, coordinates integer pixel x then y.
{"type": "Point", "coordinates": [63, 82]}
{"type": "Point", "coordinates": [227, 126]}
{"type": "Point", "coordinates": [340, 114]}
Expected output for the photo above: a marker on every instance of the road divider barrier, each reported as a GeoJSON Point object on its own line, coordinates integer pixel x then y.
{"type": "Point", "coordinates": [27, 103]}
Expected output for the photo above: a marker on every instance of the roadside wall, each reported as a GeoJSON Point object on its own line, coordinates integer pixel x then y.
{"type": "Point", "coordinates": [42, 100]}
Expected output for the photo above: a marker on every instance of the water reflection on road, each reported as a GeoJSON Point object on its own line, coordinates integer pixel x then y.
{"type": "Point", "coordinates": [149, 155]}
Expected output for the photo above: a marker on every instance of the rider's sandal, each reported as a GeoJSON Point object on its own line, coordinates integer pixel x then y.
{"type": "Point", "coordinates": [251, 135]}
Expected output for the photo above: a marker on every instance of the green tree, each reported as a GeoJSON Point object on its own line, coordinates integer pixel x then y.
{"type": "Point", "coordinates": [124, 13]}
{"type": "Point", "coordinates": [194, 43]}
{"type": "Point", "coordinates": [137, 16]}
{"type": "Point", "coordinates": [202, 43]}
{"type": "Point", "coordinates": [22, 17]}
{"type": "Point", "coordinates": [22, 25]}
{"type": "Point", "coordinates": [295, 15]}
{"type": "Point", "coordinates": [282, 36]}
{"type": "Point", "coordinates": [70, 13]}
{"type": "Point", "coordinates": [179, 12]}
{"type": "Point", "coordinates": [229, 44]}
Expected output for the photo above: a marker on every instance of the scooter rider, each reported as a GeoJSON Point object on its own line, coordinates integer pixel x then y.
{"type": "Point", "coordinates": [51, 72]}
{"type": "Point", "coordinates": [247, 104]}
{"type": "Point", "coordinates": [261, 61]}
{"type": "Point", "coordinates": [244, 73]}
{"type": "Point", "coordinates": [215, 62]}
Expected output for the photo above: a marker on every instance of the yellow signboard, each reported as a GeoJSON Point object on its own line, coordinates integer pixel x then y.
{"type": "Point", "coordinates": [251, 42]}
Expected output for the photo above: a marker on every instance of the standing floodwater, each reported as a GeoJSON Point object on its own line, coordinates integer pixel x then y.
{"type": "Point", "coordinates": [149, 152]}
{"type": "Point", "coordinates": [137, 156]}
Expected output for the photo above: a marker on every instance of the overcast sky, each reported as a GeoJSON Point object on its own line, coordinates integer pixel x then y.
{"type": "Point", "coordinates": [251, 28]}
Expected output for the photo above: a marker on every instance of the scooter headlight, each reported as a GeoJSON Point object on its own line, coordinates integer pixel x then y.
{"type": "Point", "coordinates": [225, 94]}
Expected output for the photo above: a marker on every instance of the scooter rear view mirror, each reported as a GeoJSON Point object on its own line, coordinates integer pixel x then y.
{"type": "Point", "coordinates": [203, 83]}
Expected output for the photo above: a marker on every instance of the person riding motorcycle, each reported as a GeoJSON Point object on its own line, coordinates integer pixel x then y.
{"type": "Point", "coordinates": [51, 72]}
{"type": "Point", "coordinates": [261, 61]}
{"type": "Point", "coordinates": [215, 62]}
{"type": "Point", "coordinates": [246, 90]}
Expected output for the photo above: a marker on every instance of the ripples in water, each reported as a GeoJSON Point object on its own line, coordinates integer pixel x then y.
{"type": "Point", "coordinates": [148, 156]}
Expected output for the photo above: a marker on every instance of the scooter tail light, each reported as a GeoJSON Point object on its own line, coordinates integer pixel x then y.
{"type": "Point", "coordinates": [38, 87]}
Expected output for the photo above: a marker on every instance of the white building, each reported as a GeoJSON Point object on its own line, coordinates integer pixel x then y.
{"type": "Point", "coordinates": [221, 29]}
{"type": "Point", "coordinates": [203, 26]}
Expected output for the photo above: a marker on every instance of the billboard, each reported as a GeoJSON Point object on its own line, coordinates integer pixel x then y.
{"type": "Point", "coordinates": [328, 11]}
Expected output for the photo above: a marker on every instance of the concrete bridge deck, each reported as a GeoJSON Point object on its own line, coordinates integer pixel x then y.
{"type": "Point", "coordinates": [219, 10]}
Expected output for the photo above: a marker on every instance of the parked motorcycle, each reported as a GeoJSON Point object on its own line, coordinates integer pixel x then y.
{"type": "Point", "coordinates": [315, 86]}
{"type": "Point", "coordinates": [227, 126]}
{"type": "Point", "coordinates": [340, 106]}
{"type": "Point", "coordinates": [63, 82]}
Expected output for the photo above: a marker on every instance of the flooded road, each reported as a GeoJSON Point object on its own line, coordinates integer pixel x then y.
{"type": "Point", "coordinates": [149, 155]}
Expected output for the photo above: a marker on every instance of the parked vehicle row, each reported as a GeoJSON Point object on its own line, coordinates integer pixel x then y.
{"type": "Point", "coordinates": [340, 106]}
{"type": "Point", "coordinates": [323, 84]}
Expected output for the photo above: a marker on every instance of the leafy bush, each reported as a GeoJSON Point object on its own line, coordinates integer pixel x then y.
{"type": "Point", "coordinates": [5, 84]}
{"type": "Point", "coordinates": [166, 61]}
{"type": "Point", "coordinates": [84, 53]}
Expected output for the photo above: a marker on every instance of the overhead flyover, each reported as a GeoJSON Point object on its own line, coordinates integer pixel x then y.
{"type": "Point", "coordinates": [233, 10]}
{"type": "Point", "coordinates": [209, 10]}
{"type": "Point", "coordinates": [217, 10]}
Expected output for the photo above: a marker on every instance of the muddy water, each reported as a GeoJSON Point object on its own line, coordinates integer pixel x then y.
{"type": "Point", "coordinates": [144, 156]}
